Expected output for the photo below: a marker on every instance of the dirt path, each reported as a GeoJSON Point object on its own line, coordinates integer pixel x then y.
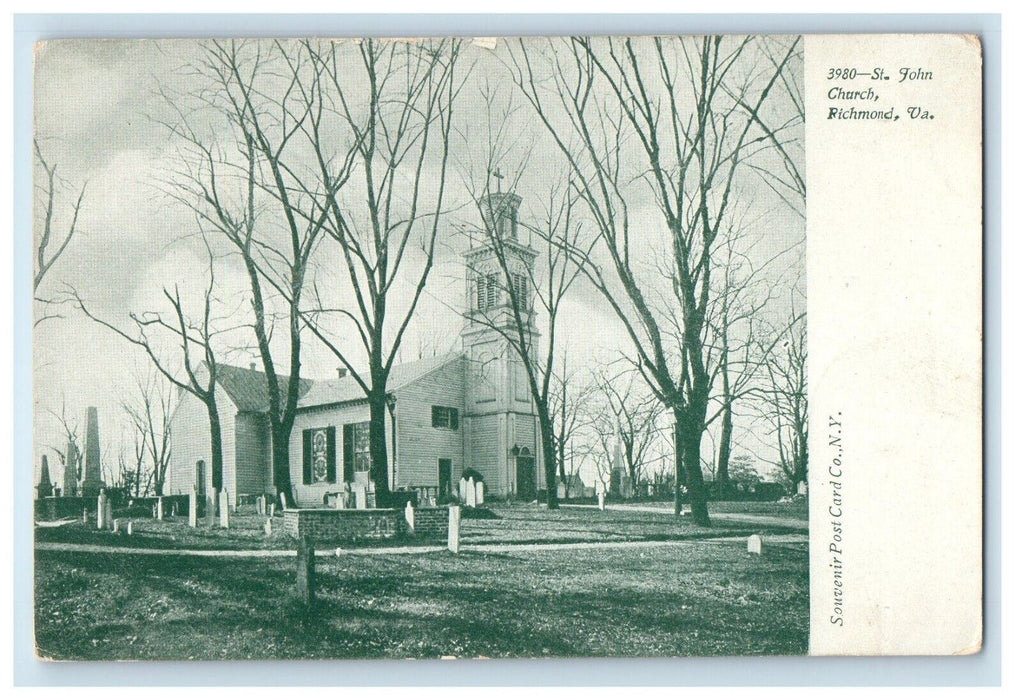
{"type": "Point", "coordinates": [788, 539]}
{"type": "Point", "coordinates": [751, 518]}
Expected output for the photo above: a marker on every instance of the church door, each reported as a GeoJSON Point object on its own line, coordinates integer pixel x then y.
{"type": "Point", "coordinates": [444, 476]}
{"type": "Point", "coordinates": [525, 467]}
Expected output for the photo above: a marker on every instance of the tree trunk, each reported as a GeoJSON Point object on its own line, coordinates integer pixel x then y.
{"type": "Point", "coordinates": [724, 453]}
{"type": "Point", "coordinates": [216, 456]}
{"type": "Point", "coordinates": [679, 464]}
{"type": "Point", "coordinates": [280, 454]}
{"type": "Point", "coordinates": [378, 470]}
{"type": "Point", "coordinates": [546, 430]}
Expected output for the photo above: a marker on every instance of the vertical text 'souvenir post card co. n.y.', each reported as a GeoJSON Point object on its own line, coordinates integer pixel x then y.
{"type": "Point", "coordinates": [546, 347]}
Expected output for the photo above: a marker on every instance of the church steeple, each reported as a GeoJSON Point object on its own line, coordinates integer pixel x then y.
{"type": "Point", "coordinates": [500, 425]}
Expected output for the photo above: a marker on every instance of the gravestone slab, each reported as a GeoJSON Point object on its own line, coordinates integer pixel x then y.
{"type": "Point", "coordinates": [283, 501]}
{"type": "Point", "coordinates": [108, 515]}
{"type": "Point", "coordinates": [268, 527]}
{"type": "Point", "coordinates": [117, 526]}
{"type": "Point", "coordinates": [600, 499]}
{"type": "Point", "coordinates": [273, 509]}
{"type": "Point", "coordinates": [470, 493]}
{"type": "Point", "coordinates": [755, 544]}
{"type": "Point", "coordinates": [101, 510]}
{"type": "Point", "coordinates": [159, 508]}
{"type": "Point", "coordinates": [193, 508]}
{"type": "Point", "coordinates": [463, 490]}
{"type": "Point", "coordinates": [480, 488]}
{"type": "Point", "coordinates": [225, 510]}
{"type": "Point", "coordinates": [129, 528]}
{"type": "Point", "coordinates": [454, 529]}
{"type": "Point", "coordinates": [410, 517]}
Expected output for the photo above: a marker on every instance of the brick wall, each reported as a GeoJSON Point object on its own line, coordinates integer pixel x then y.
{"type": "Point", "coordinates": [328, 526]}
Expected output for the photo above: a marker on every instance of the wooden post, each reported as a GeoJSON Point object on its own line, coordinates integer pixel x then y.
{"type": "Point", "coordinates": [305, 585]}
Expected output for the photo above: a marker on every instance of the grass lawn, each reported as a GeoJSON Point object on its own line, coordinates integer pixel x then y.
{"type": "Point", "coordinates": [692, 597]}
{"type": "Point", "coordinates": [506, 524]}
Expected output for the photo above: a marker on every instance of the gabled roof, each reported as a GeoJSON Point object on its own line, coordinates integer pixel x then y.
{"type": "Point", "coordinates": [345, 389]}
{"type": "Point", "coordinates": [247, 387]}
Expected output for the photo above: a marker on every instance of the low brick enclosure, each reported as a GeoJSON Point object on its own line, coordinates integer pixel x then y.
{"type": "Point", "coordinates": [327, 525]}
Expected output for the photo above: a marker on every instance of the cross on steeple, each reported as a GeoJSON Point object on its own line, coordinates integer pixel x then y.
{"type": "Point", "coordinates": [496, 173]}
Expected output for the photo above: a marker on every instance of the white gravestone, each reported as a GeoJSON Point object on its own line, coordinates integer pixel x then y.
{"type": "Point", "coordinates": [268, 527]}
{"type": "Point", "coordinates": [273, 509]}
{"type": "Point", "coordinates": [454, 528]}
{"type": "Point", "coordinates": [193, 508]}
{"type": "Point", "coordinates": [470, 493]}
{"type": "Point", "coordinates": [117, 526]}
{"type": "Point", "coordinates": [283, 501]}
{"type": "Point", "coordinates": [599, 499]}
{"type": "Point", "coordinates": [410, 516]}
{"type": "Point", "coordinates": [211, 507]}
{"type": "Point", "coordinates": [159, 508]}
{"type": "Point", "coordinates": [755, 544]}
{"type": "Point", "coordinates": [101, 510]}
{"type": "Point", "coordinates": [561, 491]}
{"type": "Point", "coordinates": [129, 528]}
{"type": "Point", "coordinates": [479, 493]}
{"type": "Point", "coordinates": [109, 515]}
{"type": "Point", "coordinates": [803, 488]}
{"type": "Point", "coordinates": [225, 510]}
{"type": "Point", "coordinates": [462, 490]}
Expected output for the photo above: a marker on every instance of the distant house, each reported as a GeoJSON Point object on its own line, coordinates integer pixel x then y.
{"type": "Point", "coordinates": [470, 409]}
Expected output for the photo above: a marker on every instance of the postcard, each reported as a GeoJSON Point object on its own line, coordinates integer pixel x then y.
{"type": "Point", "coordinates": [449, 348]}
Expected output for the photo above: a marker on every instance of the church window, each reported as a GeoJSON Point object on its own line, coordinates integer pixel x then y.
{"type": "Point", "coordinates": [521, 287]}
{"type": "Point", "coordinates": [487, 291]}
{"type": "Point", "coordinates": [445, 417]}
{"type": "Point", "coordinates": [319, 456]}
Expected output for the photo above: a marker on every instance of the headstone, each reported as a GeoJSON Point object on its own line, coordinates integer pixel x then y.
{"type": "Point", "coordinates": [92, 482]}
{"type": "Point", "coordinates": [117, 526]}
{"type": "Point", "coordinates": [211, 508]}
{"type": "Point", "coordinates": [462, 490]}
{"type": "Point", "coordinates": [562, 492]}
{"type": "Point", "coordinates": [45, 487]}
{"type": "Point", "coordinates": [360, 497]}
{"type": "Point", "coordinates": [268, 527]}
{"type": "Point", "coordinates": [159, 508]}
{"type": "Point", "coordinates": [470, 493]}
{"type": "Point", "coordinates": [305, 585]}
{"type": "Point", "coordinates": [101, 510]}
{"type": "Point", "coordinates": [283, 501]}
{"type": "Point", "coordinates": [193, 508]}
{"type": "Point", "coordinates": [755, 544]}
{"type": "Point", "coordinates": [599, 499]}
{"type": "Point", "coordinates": [803, 488]}
{"type": "Point", "coordinates": [108, 515]}
{"type": "Point", "coordinates": [261, 505]}
{"type": "Point", "coordinates": [480, 488]}
{"type": "Point", "coordinates": [273, 509]}
{"type": "Point", "coordinates": [85, 516]}
{"type": "Point", "coordinates": [129, 528]}
{"type": "Point", "coordinates": [454, 528]}
{"type": "Point", "coordinates": [225, 509]}
{"type": "Point", "coordinates": [410, 517]}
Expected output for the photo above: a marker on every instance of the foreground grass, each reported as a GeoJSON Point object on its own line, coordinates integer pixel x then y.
{"type": "Point", "coordinates": [690, 598]}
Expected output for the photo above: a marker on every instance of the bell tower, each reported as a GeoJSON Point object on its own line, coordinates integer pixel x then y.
{"type": "Point", "coordinates": [501, 427]}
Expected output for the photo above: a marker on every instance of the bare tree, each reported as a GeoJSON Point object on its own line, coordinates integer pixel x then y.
{"type": "Point", "coordinates": [692, 108]}
{"type": "Point", "coordinates": [568, 398]}
{"type": "Point", "coordinates": [195, 368]}
{"type": "Point", "coordinates": [246, 182]}
{"type": "Point", "coordinates": [628, 416]}
{"type": "Point", "coordinates": [787, 405]}
{"type": "Point", "coordinates": [150, 411]}
{"type": "Point", "coordinates": [51, 244]}
{"type": "Point", "coordinates": [70, 450]}
{"type": "Point", "coordinates": [394, 154]}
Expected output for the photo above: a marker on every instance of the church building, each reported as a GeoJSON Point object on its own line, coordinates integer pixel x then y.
{"type": "Point", "coordinates": [466, 410]}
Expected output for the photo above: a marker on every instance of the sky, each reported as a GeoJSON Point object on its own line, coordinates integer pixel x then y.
{"type": "Point", "coordinates": [101, 109]}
